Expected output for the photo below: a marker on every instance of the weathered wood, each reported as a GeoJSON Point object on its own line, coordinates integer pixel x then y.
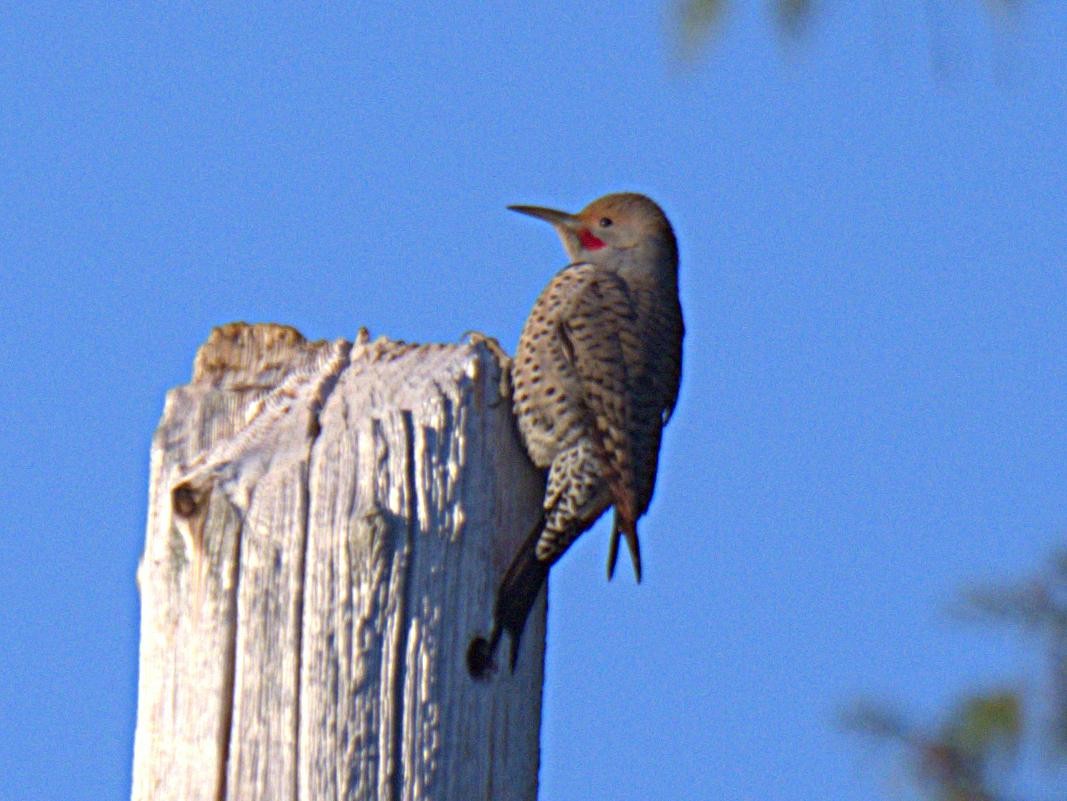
{"type": "Point", "coordinates": [327, 524]}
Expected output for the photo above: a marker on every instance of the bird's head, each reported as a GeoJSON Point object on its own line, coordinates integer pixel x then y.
{"type": "Point", "coordinates": [620, 231]}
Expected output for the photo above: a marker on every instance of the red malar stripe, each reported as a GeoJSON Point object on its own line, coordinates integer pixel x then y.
{"type": "Point", "coordinates": [589, 242]}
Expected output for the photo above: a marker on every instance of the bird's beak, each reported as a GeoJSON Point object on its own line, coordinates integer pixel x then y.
{"type": "Point", "coordinates": [560, 219]}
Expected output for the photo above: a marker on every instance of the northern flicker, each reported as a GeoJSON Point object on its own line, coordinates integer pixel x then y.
{"type": "Point", "coordinates": [595, 378]}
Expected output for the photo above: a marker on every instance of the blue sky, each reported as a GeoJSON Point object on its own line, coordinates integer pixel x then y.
{"type": "Point", "coordinates": [873, 245]}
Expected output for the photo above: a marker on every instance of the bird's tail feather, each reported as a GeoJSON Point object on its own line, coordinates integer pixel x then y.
{"type": "Point", "coordinates": [628, 529]}
{"type": "Point", "coordinates": [517, 593]}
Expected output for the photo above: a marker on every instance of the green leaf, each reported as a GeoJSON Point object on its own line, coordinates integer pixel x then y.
{"type": "Point", "coordinates": [984, 725]}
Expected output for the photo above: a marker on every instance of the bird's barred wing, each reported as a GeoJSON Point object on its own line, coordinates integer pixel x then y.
{"type": "Point", "coordinates": [598, 332]}
{"type": "Point", "coordinates": [672, 335]}
{"type": "Point", "coordinates": [661, 350]}
{"type": "Point", "coordinates": [656, 385]}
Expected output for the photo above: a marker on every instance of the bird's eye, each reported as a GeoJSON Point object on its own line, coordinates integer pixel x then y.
{"type": "Point", "coordinates": [605, 222]}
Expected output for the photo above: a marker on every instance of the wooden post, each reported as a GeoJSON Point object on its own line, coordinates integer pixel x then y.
{"type": "Point", "coordinates": [327, 525]}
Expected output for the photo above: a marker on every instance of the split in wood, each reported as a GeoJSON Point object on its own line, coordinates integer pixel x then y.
{"type": "Point", "coordinates": [503, 361]}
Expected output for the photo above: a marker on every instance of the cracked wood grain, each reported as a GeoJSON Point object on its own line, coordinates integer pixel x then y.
{"type": "Point", "coordinates": [327, 524]}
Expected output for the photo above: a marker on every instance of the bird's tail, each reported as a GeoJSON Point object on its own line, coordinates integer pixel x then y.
{"type": "Point", "coordinates": [514, 599]}
{"type": "Point", "coordinates": [627, 528]}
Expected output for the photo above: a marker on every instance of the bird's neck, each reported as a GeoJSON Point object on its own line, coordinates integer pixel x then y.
{"type": "Point", "coordinates": [650, 266]}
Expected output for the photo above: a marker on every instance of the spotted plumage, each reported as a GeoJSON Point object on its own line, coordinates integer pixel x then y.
{"type": "Point", "coordinates": [595, 379]}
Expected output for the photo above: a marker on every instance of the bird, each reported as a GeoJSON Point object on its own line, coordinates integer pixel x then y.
{"type": "Point", "coordinates": [595, 378]}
